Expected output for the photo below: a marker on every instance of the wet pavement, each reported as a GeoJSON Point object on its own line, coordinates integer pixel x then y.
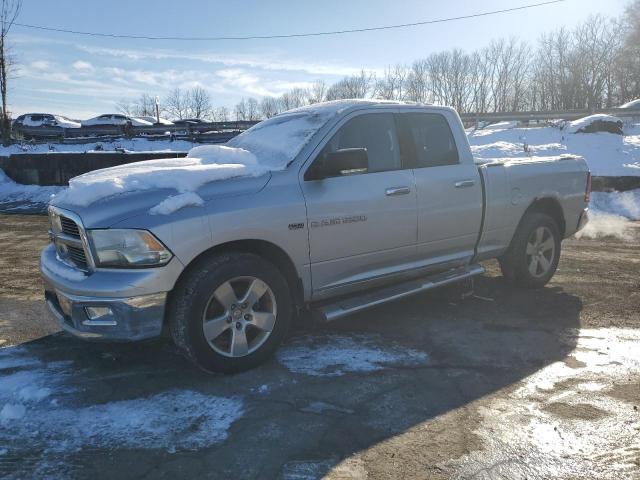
{"type": "Point", "coordinates": [504, 384]}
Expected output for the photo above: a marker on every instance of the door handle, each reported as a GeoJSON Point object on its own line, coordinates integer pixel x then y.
{"type": "Point", "coordinates": [393, 191]}
{"type": "Point", "coordinates": [465, 183]}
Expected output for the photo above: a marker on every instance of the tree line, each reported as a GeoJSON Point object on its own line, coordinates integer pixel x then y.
{"type": "Point", "coordinates": [595, 65]}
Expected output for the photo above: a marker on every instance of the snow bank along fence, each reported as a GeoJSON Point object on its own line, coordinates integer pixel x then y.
{"type": "Point", "coordinates": [58, 168]}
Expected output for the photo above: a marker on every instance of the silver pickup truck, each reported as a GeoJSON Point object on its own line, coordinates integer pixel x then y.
{"type": "Point", "coordinates": [346, 205]}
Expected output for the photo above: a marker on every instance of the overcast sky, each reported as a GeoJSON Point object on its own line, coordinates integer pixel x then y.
{"type": "Point", "coordinates": [82, 76]}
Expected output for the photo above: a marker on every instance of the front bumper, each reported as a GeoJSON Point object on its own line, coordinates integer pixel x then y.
{"type": "Point", "coordinates": [110, 304]}
{"type": "Point", "coordinates": [124, 319]}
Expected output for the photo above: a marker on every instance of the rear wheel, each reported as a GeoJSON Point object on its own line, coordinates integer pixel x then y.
{"type": "Point", "coordinates": [532, 257]}
{"type": "Point", "coordinates": [231, 312]}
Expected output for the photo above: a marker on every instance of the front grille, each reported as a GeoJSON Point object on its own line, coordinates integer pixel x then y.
{"type": "Point", "coordinates": [77, 256]}
{"type": "Point", "coordinates": [69, 227]}
{"type": "Point", "coordinates": [67, 234]}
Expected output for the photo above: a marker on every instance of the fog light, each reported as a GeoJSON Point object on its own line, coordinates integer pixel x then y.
{"type": "Point", "coordinates": [97, 312]}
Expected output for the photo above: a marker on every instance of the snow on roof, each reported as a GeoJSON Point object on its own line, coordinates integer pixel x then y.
{"type": "Point", "coordinates": [203, 164]}
{"type": "Point", "coordinates": [278, 140]}
{"type": "Point", "coordinates": [576, 125]}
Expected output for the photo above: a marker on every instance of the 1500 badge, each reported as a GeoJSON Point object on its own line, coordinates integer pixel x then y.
{"type": "Point", "coordinates": [329, 222]}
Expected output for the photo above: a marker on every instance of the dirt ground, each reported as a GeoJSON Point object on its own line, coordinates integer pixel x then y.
{"type": "Point", "coordinates": [504, 384]}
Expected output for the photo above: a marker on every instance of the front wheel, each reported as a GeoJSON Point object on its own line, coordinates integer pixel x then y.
{"type": "Point", "coordinates": [230, 312]}
{"type": "Point", "coordinates": [532, 257]}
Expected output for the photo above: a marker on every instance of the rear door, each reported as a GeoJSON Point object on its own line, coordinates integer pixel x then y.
{"type": "Point", "coordinates": [362, 226]}
{"type": "Point", "coordinates": [449, 193]}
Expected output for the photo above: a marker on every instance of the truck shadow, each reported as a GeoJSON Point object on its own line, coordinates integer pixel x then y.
{"type": "Point", "coordinates": [332, 391]}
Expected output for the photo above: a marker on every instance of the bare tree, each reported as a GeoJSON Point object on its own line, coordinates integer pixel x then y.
{"type": "Point", "coordinates": [392, 84]}
{"type": "Point", "coordinates": [417, 83]}
{"type": "Point", "coordinates": [221, 114]}
{"type": "Point", "coordinates": [317, 92]}
{"type": "Point", "coordinates": [252, 109]}
{"type": "Point", "coordinates": [9, 11]}
{"type": "Point", "coordinates": [240, 110]}
{"type": "Point", "coordinates": [269, 107]}
{"type": "Point", "coordinates": [176, 104]}
{"type": "Point", "coordinates": [355, 86]}
{"type": "Point", "coordinates": [294, 98]}
{"type": "Point", "coordinates": [143, 106]}
{"type": "Point", "coordinates": [198, 103]}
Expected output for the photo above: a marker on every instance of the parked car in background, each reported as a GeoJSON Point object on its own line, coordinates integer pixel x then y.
{"type": "Point", "coordinates": [41, 125]}
{"type": "Point", "coordinates": [115, 119]}
{"type": "Point", "coordinates": [156, 121]}
{"type": "Point", "coordinates": [44, 120]}
{"type": "Point", "coordinates": [632, 105]}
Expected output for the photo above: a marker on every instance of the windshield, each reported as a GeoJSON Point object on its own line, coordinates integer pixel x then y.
{"type": "Point", "coordinates": [277, 141]}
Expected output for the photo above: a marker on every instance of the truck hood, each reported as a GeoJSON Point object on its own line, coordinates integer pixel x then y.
{"type": "Point", "coordinates": [104, 197]}
{"type": "Point", "coordinates": [108, 211]}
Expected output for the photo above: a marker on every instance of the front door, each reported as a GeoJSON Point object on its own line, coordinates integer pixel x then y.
{"type": "Point", "coordinates": [362, 225]}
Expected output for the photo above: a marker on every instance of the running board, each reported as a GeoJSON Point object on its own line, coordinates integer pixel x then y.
{"type": "Point", "coordinates": [349, 305]}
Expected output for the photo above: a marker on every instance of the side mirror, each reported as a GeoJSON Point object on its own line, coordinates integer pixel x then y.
{"type": "Point", "coordinates": [347, 161]}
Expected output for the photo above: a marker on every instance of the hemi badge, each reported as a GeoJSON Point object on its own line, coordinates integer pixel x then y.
{"type": "Point", "coordinates": [296, 226]}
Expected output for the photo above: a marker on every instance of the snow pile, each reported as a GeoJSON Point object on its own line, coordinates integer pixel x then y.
{"type": "Point", "coordinates": [583, 124]}
{"type": "Point", "coordinates": [334, 355]}
{"type": "Point", "coordinates": [12, 411]}
{"type": "Point", "coordinates": [610, 214]}
{"type": "Point", "coordinates": [633, 104]}
{"type": "Point", "coordinates": [606, 154]}
{"type": "Point", "coordinates": [176, 202]}
{"type": "Point", "coordinates": [501, 125]}
{"type": "Point", "coordinates": [215, 162]}
{"type": "Point", "coordinates": [122, 144]}
{"type": "Point", "coordinates": [42, 417]}
{"type": "Point", "coordinates": [625, 204]}
{"type": "Point", "coordinates": [11, 191]}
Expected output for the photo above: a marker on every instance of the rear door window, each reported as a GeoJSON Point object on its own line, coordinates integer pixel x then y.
{"type": "Point", "coordinates": [427, 140]}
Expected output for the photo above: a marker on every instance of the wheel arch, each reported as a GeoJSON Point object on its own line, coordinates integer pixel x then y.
{"type": "Point", "coordinates": [549, 206]}
{"type": "Point", "coordinates": [265, 249]}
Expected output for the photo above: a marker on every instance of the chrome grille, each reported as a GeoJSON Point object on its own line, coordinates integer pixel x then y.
{"type": "Point", "coordinates": [77, 256]}
{"type": "Point", "coordinates": [68, 237]}
{"type": "Point", "coordinates": [69, 227]}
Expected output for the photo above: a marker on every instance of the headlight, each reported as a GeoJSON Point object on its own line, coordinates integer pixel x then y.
{"type": "Point", "coordinates": [127, 248]}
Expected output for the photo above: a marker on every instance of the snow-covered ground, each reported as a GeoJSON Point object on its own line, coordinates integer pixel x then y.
{"type": "Point", "coordinates": [607, 154]}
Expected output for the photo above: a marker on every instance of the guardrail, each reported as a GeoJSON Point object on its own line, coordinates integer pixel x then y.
{"type": "Point", "coordinates": [541, 116]}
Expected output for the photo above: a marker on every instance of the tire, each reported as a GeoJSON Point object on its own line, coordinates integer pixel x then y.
{"type": "Point", "coordinates": [532, 257]}
{"type": "Point", "coordinates": [212, 325]}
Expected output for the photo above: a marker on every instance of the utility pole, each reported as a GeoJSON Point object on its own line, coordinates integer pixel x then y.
{"type": "Point", "coordinates": [157, 109]}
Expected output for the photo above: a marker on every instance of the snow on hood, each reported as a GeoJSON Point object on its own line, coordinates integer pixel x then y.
{"type": "Point", "coordinates": [573, 127]}
{"type": "Point", "coordinates": [202, 165]}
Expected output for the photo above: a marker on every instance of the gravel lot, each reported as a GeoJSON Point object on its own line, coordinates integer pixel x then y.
{"type": "Point", "coordinates": [505, 384]}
